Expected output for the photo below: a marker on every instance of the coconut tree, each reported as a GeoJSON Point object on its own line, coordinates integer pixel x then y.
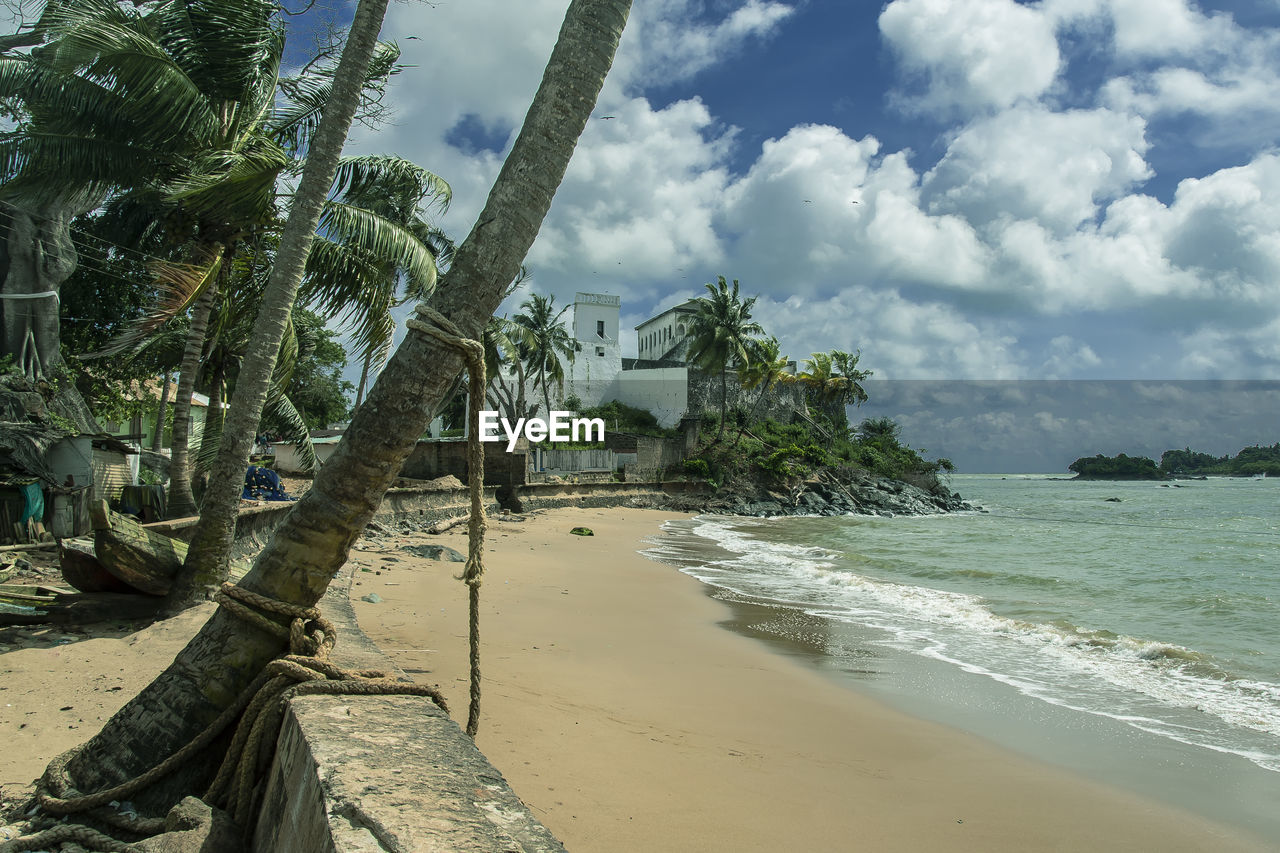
{"type": "Point", "coordinates": [544, 342]}
{"type": "Point", "coordinates": [313, 542]}
{"type": "Point", "coordinates": [346, 281]}
{"type": "Point", "coordinates": [720, 332]}
{"type": "Point", "coordinates": [167, 102]}
{"type": "Point", "coordinates": [766, 367]}
{"type": "Point", "coordinates": [834, 381]}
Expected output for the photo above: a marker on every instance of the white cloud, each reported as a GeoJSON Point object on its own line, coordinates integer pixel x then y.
{"type": "Point", "coordinates": [899, 338]}
{"type": "Point", "coordinates": [1068, 357]}
{"type": "Point", "coordinates": [665, 43]}
{"type": "Point", "coordinates": [973, 54]}
{"type": "Point", "coordinates": [1029, 219]}
{"type": "Point", "coordinates": [639, 197]}
{"type": "Point", "coordinates": [1031, 163]}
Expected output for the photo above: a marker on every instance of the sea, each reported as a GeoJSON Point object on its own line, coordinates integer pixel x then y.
{"type": "Point", "coordinates": [1128, 631]}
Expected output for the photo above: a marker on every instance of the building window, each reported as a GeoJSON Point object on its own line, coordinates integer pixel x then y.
{"type": "Point", "coordinates": [600, 328]}
{"type": "Point", "coordinates": [599, 350]}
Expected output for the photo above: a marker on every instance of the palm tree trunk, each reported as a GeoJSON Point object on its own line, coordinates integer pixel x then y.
{"type": "Point", "coordinates": [313, 541]}
{"type": "Point", "coordinates": [546, 394]}
{"type": "Point", "coordinates": [364, 379]}
{"type": "Point", "coordinates": [206, 564]}
{"type": "Point", "coordinates": [750, 419]}
{"type": "Point", "coordinates": [157, 440]}
{"type": "Point", "coordinates": [724, 399]}
{"type": "Point", "coordinates": [214, 417]}
{"type": "Point", "coordinates": [182, 502]}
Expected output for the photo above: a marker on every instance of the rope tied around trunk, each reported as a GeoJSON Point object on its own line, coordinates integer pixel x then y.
{"type": "Point", "coordinates": [304, 670]}
{"type": "Point", "coordinates": [440, 327]}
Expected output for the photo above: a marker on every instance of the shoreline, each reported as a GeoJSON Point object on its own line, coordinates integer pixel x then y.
{"type": "Point", "coordinates": [626, 715]}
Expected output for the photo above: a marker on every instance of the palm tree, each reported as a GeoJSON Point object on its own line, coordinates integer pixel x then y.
{"type": "Point", "coordinates": [345, 280]}
{"type": "Point", "coordinates": [765, 368]}
{"type": "Point", "coordinates": [834, 381]}
{"type": "Point", "coordinates": [543, 341]}
{"type": "Point", "coordinates": [313, 542]}
{"type": "Point", "coordinates": [206, 564]}
{"type": "Point", "coordinates": [166, 103]}
{"type": "Point", "coordinates": [720, 331]}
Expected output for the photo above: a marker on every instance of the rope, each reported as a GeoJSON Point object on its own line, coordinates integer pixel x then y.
{"type": "Point", "coordinates": [443, 330]}
{"type": "Point", "coordinates": [306, 670]}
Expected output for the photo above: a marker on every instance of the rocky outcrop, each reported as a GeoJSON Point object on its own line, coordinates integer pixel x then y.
{"type": "Point", "coordinates": [826, 494]}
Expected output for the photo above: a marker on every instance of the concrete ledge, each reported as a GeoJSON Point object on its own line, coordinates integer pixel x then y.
{"type": "Point", "coordinates": [387, 773]}
{"type": "Point", "coordinates": [367, 774]}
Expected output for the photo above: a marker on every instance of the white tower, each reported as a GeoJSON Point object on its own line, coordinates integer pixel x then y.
{"type": "Point", "coordinates": [595, 326]}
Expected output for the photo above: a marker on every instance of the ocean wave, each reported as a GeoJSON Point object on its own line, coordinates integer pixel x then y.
{"type": "Point", "coordinates": [1149, 683]}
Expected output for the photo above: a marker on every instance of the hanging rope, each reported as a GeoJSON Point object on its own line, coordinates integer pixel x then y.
{"type": "Point", "coordinates": [305, 670]}
{"type": "Point", "coordinates": [443, 330]}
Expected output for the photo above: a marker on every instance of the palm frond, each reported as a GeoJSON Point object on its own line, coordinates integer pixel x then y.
{"type": "Point", "coordinates": [234, 186]}
{"type": "Point", "coordinates": [296, 119]}
{"type": "Point", "coordinates": [179, 286]}
{"type": "Point", "coordinates": [392, 186]}
{"type": "Point", "coordinates": [116, 52]}
{"type": "Point", "coordinates": [379, 237]}
{"type": "Point", "coordinates": [224, 44]}
{"type": "Point", "coordinates": [295, 430]}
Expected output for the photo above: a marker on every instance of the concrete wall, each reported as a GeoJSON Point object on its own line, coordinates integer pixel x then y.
{"type": "Point", "coordinates": [437, 458]}
{"type": "Point", "coordinates": [384, 774]}
{"type": "Point", "coordinates": [663, 391]}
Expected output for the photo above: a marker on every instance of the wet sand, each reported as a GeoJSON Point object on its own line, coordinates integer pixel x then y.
{"type": "Point", "coordinates": [629, 719]}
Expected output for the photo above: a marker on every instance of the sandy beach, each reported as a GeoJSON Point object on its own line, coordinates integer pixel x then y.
{"type": "Point", "coordinates": [628, 719]}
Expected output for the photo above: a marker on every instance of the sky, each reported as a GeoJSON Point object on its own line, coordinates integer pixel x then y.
{"type": "Point", "coordinates": [1042, 426]}
{"type": "Point", "coordinates": [979, 189]}
{"type": "Point", "coordinates": [957, 189]}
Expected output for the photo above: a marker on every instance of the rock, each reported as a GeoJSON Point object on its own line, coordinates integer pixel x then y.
{"type": "Point", "coordinates": [442, 553]}
{"type": "Point", "coordinates": [372, 598]}
{"type": "Point", "coordinates": [192, 826]}
{"type": "Point", "coordinates": [1113, 500]}
{"type": "Point", "coordinates": [582, 531]}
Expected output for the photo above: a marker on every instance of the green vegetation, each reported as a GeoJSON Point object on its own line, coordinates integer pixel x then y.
{"type": "Point", "coordinates": [779, 455]}
{"type": "Point", "coordinates": [722, 332]}
{"type": "Point", "coordinates": [619, 417]}
{"type": "Point", "coordinates": [1119, 467]}
{"type": "Point", "coordinates": [543, 343]}
{"type": "Point", "coordinates": [1249, 462]}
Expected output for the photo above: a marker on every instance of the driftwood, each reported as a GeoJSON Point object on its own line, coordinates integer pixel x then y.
{"type": "Point", "coordinates": [34, 546]}
{"type": "Point", "coordinates": [447, 524]}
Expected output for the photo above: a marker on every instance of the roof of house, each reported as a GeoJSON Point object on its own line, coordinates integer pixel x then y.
{"type": "Point", "coordinates": [686, 307]}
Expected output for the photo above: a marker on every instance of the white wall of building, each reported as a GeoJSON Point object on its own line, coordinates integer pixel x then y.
{"type": "Point", "coordinates": [596, 376]}
{"type": "Point", "coordinates": [663, 391]}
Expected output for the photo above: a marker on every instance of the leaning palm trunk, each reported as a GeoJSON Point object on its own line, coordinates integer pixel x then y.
{"type": "Point", "coordinates": [312, 543]}
{"type": "Point", "coordinates": [181, 500]}
{"type": "Point", "coordinates": [157, 439]}
{"type": "Point", "coordinates": [206, 564]}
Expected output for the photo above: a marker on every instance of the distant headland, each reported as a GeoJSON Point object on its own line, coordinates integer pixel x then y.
{"type": "Point", "coordinates": [1255, 461]}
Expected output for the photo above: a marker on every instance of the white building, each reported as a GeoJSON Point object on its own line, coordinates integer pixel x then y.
{"type": "Point", "coordinates": [665, 337]}
{"type": "Point", "coordinates": [599, 361]}
{"type": "Point", "coordinates": [596, 374]}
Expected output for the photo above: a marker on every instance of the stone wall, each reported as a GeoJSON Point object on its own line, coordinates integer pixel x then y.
{"type": "Point", "coordinates": [779, 403]}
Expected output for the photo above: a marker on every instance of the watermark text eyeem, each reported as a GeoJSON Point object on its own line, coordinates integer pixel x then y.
{"type": "Point", "coordinates": [561, 426]}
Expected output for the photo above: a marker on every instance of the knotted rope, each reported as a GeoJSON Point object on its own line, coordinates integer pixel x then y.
{"type": "Point", "coordinates": [441, 328]}
{"type": "Point", "coordinates": [305, 670]}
